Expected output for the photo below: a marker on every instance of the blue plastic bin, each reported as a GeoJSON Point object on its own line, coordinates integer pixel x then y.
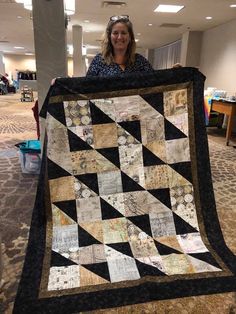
{"type": "Point", "coordinates": [29, 155]}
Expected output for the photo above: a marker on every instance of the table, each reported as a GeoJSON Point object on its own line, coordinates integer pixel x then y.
{"type": "Point", "coordinates": [229, 108]}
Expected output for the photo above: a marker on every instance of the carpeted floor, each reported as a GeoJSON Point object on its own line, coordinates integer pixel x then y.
{"type": "Point", "coordinates": [17, 192]}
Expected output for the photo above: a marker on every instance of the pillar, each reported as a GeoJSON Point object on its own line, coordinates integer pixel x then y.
{"type": "Point", "coordinates": [50, 47]}
{"type": "Point", "coordinates": [149, 54]}
{"type": "Point", "coordinates": [78, 59]}
{"type": "Point", "coordinates": [2, 65]}
{"type": "Point", "coordinates": [50, 43]}
{"type": "Point", "coordinates": [191, 48]}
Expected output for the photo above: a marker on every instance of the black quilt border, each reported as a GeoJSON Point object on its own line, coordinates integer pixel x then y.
{"type": "Point", "coordinates": [27, 296]}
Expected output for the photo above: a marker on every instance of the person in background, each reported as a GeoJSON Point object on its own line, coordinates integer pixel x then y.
{"type": "Point", "coordinates": [4, 83]}
{"type": "Point", "coordinates": [118, 56]}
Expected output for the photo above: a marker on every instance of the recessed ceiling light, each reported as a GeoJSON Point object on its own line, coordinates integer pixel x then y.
{"type": "Point", "coordinates": [19, 17]}
{"type": "Point", "coordinates": [138, 34]}
{"type": "Point", "coordinates": [166, 8]}
{"type": "Point", "coordinates": [233, 5]}
{"type": "Point", "coordinates": [18, 47]}
{"type": "Point", "coordinates": [208, 17]}
{"type": "Point", "coordinates": [86, 21]}
{"type": "Point", "coordinates": [136, 40]}
{"type": "Point", "coordinates": [150, 24]}
{"type": "Point", "coordinates": [29, 54]}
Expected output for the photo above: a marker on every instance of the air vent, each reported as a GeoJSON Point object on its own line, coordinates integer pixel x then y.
{"type": "Point", "coordinates": [113, 4]}
{"type": "Point", "coordinates": [4, 41]}
{"type": "Point", "coordinates": [172, 25]}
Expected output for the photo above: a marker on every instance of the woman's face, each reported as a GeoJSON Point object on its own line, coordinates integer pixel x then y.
{"type": "Point", "coordinates": [120, 37]}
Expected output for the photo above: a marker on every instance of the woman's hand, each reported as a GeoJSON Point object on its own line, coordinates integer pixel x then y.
{"type": "Point", "coordinates": [54, 80]}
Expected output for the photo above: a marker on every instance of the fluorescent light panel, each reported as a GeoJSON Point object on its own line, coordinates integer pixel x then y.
{"type": "Point", "coordinates": [69, 6]}
{"type": "Point", "coordinates": [28, 5]}
{"type": "Point", "coordinates": [166, 8]}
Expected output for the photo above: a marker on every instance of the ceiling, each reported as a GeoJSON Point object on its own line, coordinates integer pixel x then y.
{"type": "Point", "coordinates": [19, 31]}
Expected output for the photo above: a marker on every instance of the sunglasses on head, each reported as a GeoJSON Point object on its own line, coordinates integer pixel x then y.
{"type": "Point", "coordinates": [119, 17]}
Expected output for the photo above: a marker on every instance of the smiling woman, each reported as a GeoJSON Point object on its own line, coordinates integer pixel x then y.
{"type": "Point", "coordinates": [118, 55]}
{"type": "Point", "coordinates": [120, 40]}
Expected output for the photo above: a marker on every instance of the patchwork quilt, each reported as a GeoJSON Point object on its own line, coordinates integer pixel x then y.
{"type": "Point", "coordinates": [125, 210]}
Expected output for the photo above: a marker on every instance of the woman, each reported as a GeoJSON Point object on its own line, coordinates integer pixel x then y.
{"type": "Point", "coordinates": [118, 55]}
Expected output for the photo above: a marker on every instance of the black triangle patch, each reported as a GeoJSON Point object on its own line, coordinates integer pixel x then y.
{"type": "Point", "coordinates": [163, 195]}
{"type": "Point", "coordinates": [76, 143]}
{"type": "Point", "coordinates": [205, 257]}
{"type": "Point", "coordinates": [89, 179]}
{"type": "Point", "coordinates": [100, 269]}
{"type": "Point", "coordinates": [111, 154]}
{"type": "Point", "coordinates": [55, 171]}
{"type": "Point", "coordinates": [109, 212]}
{"type": "Point", "coordinates": [55, 110]}
{"type": "Point", "coordinates": [59, 260]}
{"type": "Point", "coordinates": [129, 184]}
{"type": "Point", "coordinates": [86, 238]}
{"type": "Point", "coordinates": [156, 101]}
{"type": "Point", "coordinates": [143, 222]}
{"type": "Point", "coordinates": [165, 250]}
{"type": "Point", "coordinates": [98, 116]}
{"type": "Point", "coordinates": [184, 169]}
{"type": "Point", "coordinates": [122, 247]}
{"type": "Point", "coordinates": [68, 207]}
{"type": "Point", "coordinates": [148, 270]}
{"type": "Point", "coordinates": [149, 159]}
{"type": "Point", "coordinates": [172, 132]}
{"type": "Point", "coordinates": [181, 226]}
{"type": "Point", "coordinates": [133, 127]}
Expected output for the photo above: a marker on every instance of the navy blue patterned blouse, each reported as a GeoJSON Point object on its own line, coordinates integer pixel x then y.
{"type": "Point", "coordinates": [98, 67]}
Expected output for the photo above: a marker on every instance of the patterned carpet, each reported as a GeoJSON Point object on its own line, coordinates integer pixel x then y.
{"type": "Point", "coordinates": [17, 192]}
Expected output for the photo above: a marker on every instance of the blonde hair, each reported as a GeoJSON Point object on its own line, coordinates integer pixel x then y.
{"type": "Point", "coordinates": [107, 48]}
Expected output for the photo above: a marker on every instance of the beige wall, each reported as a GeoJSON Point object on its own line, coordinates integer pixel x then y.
{"type": "Point", "coordinates": [70, 67]}
{"type": "Point", "coordinates": [20, 63]}
{"type": "Point", "coordinates": [218, 57]}
{"type": "Point", "coordinates": [217, 61]}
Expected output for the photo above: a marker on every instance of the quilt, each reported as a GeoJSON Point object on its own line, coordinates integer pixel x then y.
{"type": "Point", "coordinates": [125, 210]}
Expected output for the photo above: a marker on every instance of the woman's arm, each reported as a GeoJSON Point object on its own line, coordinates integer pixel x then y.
{"type": "Point", "coordinates": [143, 63]}
{"type": "Point", "coordinates": [94, 67]}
